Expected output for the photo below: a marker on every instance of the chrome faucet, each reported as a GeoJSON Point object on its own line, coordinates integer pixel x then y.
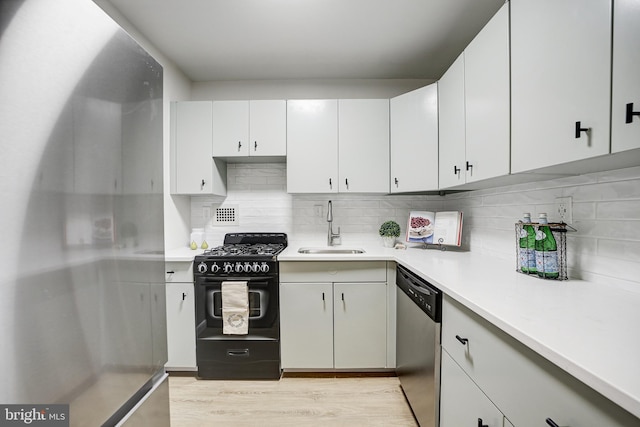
{"type": "Point", "coordinates": [332, 238]}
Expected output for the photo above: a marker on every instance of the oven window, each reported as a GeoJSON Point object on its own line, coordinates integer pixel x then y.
{"type": "Point", "coordinates": [257, 305]}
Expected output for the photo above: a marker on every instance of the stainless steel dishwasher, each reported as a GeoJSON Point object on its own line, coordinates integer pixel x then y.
{"type": "Point", "coordinates": [418, 345]}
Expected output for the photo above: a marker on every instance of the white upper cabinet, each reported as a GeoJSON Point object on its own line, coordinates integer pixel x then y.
{"type": "Point", "coordinates": [249, 128]}
{"type": "Point", "coordinates": [193, 169]}
{"type": "Point", "coordinates": [268, 128]}
{"type": "Point", "coordinates": [312, 146]}
{"type": "Point", "coordinates": [560, 81]}
{"type": "Point", "coordinates": [414, 140]}
{"type": "Point", "coordinates": [452, 128]}
{"type": "Point", "coordinates": [625, 114]}
{"type": "Point", "coordinates": [474, 108]}
{"type": "Point", "coordinates": [363, 145]}
{"type": "Point", "coordinates": [487, 103]}
{"type": "Point", "coordinates": [230, 128]}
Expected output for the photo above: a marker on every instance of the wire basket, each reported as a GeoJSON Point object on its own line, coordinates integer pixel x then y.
{"type": "Point", "coordinates": [546, 263]}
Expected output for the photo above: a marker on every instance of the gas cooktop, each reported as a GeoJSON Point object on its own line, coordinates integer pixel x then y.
{"type": "Point", "coordinates": [248, 245]}
{"type": "Point", "coordinates": [244, 249]}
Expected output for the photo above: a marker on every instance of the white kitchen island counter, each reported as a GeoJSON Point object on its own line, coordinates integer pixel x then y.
{"type": "Point", "coordinates": [588, 329]}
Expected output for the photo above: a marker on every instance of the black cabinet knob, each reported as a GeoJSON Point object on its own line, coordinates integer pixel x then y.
{"type": "Point", "coordinates": [480, 424]}
{"type": "Point", "coordinates": [551, 423]}
{"type": "Point", "coordinates": [580, 129]}
{"type": "Point", "coordinates": [463, 341]}
{"type": "Point", "coordinates": [630, 113]}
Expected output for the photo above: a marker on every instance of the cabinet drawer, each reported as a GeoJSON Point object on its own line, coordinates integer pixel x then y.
{"type": "Point", "coordinates": [526, 387]}
{"type": "Point", "coordinates": [179, 272]}
{"type": "Point", "coordinates": [333, 271]}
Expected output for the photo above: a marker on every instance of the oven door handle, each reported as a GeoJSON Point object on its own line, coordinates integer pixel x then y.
{"type": "Point", "coordinates": [238, 352]}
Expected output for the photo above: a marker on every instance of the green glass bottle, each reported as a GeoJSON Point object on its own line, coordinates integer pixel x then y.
{"type": "Point", "coordinates": [527, 243]}
{"type": "Point", "coordinates": [546, 250]}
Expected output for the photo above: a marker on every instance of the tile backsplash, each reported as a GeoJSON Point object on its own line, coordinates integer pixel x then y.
{"type": "Point", "coordinates": [606, 215]}
{"type": "Point", "coordinates": [259, 191]}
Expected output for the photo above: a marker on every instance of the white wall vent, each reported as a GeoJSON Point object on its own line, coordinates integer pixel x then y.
{"type": "Point", "coordinates": [225, 215]}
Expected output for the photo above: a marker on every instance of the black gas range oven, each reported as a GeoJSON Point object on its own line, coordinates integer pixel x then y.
{"type": "Point", "coordinates": [250, 258]}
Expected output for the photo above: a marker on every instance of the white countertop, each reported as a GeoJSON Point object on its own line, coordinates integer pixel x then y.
{"type": "Point", "coordinates": [587, 329]}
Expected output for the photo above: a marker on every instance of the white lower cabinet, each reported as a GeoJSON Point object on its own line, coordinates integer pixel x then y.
{"type": "Point", "coordinates": [306, 325]}
{"type": "Point", "coordinates": [329, 323]}
{"type": "Point", "coordinates": [462, 403]}
{"type": "Point", "coordinates": [181, 328]}
{"type": "Point", "coordinates": [524, 386]}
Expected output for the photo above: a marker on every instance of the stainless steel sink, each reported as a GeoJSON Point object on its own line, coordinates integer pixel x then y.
{"type": "Point", "coordinates": [329, 251]}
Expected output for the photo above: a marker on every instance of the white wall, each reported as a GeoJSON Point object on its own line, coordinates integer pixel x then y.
{"type": "Point", "coordinates": [177, 87]}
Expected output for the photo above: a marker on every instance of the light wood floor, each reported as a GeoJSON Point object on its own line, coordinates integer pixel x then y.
{"type": "Point", "coordinates": [353, 402]}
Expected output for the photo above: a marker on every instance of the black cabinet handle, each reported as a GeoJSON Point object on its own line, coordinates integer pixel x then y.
{"type": "Point", "coordinates": [346, 182]}
{"type": "Point", "coordinates": [171, 272]}
{"type": "Point", "coordinates": [630, 113]}
{"type": "Point", "coordinates": [469, 166]}
{"type": "Point", "coordinates": [239, 145]}
{"type": "Point", "coordinates": [184, 296]}
{"type": "Point", "coordinates": [323, 296]}
{"type": "Point", "coordinates": [551, 423]}
{"type": "Point", "coordinates": [456, 170]}
{"type": "Point", "coordinates": [463, 341]}
{"type": "Point", "coordinates": [580, 129]}
{"type": "Point", "coordinates": [330, 184]}
{"type": "Point", "coordinates": [395, 181]}
{"type": "Point", "coordinates": [255, 145]}
{"type": "Point", "coordinates": [480, 423]}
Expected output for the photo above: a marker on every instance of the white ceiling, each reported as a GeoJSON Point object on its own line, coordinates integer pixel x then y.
{"type": "Point", "coordinates": [309, 39]}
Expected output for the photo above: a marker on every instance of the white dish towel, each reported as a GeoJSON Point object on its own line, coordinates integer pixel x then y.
{"type": "Point", "coordinates": [235, 308]}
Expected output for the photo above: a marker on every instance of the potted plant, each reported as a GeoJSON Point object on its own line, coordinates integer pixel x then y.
{"type": "Point", "coordinates": [389, 230]}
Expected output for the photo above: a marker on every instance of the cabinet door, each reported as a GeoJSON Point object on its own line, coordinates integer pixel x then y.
{"type": "Point", "coordinates": [181, 328]}
{"type": "Point", "coordinates": [626, 72]}
{"type": "Point", "coordinates": [312, 146]}
{"type": "Point", "coordinates": [268, 128]}
{"type": "Point", "coordinates": [360, 325]}
{"type": "Point", "coordinates": [363, 145]}
{"type": "Point", "coordinates": [487, 102]}
{"type": "Point", "coordinates": [306, 325]}
{"type": "Point", "coordinates": [560, 79]}
{"type": "Point", "coordinates": [230, 128]}
{"type": "Point", "coordinates": [462, 403]}
{"type": "Point", "coordinates": [192, 151]}
{"type": "Point", "coordinates": [452, 125]}
{"type": "Point", "coordinates": [414, 140]}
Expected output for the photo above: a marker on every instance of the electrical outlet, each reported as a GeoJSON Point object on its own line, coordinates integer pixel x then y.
{"type": "Point", "coordinates": [564, 209]}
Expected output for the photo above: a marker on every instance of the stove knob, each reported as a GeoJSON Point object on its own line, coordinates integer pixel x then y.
{"type": "Point", "coordinates": [264, 267]}
{"type": "Point", "coordinates": [228, 268]}
{"type": "Point", "coordinates": [202, 267]}
{"type": "Point", "coordinates": [215, 268]}
{"type": "Point", "coordinates": [239, 268]}
{"type": "Point", "coordinates": [255, 267]}
{"type": "Point", "coordinates": [247, 267]}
